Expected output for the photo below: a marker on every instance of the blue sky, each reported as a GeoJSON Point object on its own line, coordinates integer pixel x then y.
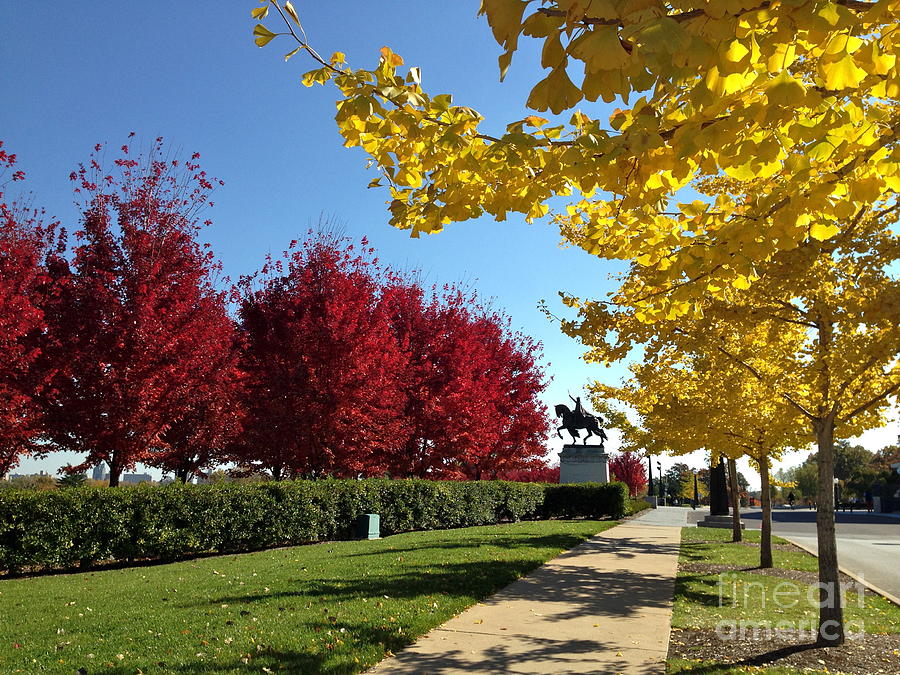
{"type": "Point", "coordinates": [76, 74]}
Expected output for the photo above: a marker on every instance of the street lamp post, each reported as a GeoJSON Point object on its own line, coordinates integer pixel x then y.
{"type": "Point", "coordinates": [696, 492]}
{"type": "Point", "coordinates": [662, 489]}
{"type": "Point", "coordinates": [837, 494]}
{"type": "Point", "coordinates": [651, 492]}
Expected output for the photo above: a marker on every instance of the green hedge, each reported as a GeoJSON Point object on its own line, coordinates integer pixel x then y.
{"type": "Point", "coordinates": [592, 500]}
{"type": "Point", "coordinates": [79, 526]}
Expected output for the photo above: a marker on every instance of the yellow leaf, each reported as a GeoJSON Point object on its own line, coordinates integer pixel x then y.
{"type": "Point", "coordinates": [390, 58]}
{"type": "Point", "coordinates": [260, 12]}
{"type": "Point", "coordinates": [600, 49]}
{"type": "Point", "coordinates": [785, 91]}
{"type": "Point", "coordinates": [289, 8]}
{"type": "Point", "coordinates": [782, 58]}
{"type": "Point", "coordinates": [505, 19]}
{"type": "Point", "coordinates": [553, 55]}
{"type": "Point", "coordinates": [821, 231]}
{"type": "Point", "coordinates": [503, 61]}
{"type": "Point", "coordinates": [741, 282]}
{"type": "Point", "coordinates": [555, 92]}
{"type": "Point", "coordinates": [842, 74]}
{"type": "Point", "coordinates": [821, 151]}
{"type": "Point", "coordinates": [263, 35]}
{"type": "Point", "coordinates": [736, 51]}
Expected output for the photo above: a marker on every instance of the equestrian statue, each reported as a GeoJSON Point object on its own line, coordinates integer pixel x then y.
{"type": "Point", "coordinates": [573, 420]}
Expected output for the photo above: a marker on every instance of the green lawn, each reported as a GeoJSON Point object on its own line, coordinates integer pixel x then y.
{"type": "Point", "coordinates": [685, 667]}
{"type": "Point", "coordinates": [331, 608]}
{"type": "Point", "coordinates": [720, 551]}
{"type": "Point", "coordinates": [704, 599]}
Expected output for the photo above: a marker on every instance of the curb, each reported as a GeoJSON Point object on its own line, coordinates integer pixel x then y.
{"type": "Point", "coordinates": [872, 587]}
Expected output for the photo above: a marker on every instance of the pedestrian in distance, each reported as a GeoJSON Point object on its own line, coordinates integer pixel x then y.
{"type": "Point", "coordinates": [870, 501]}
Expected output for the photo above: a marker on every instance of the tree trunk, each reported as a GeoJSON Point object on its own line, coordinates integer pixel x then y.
{"type": "Point", "coordinates": [115, 471]}
{"type": "Point", "coordinates": [736, 534]}
{"type": "Point", "coordinates": [831, 613]}
{"type": "Point", "coordinates": [765, 537]}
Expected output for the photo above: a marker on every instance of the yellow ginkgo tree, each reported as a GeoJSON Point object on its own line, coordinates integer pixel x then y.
{"type": "Point", "coordinates": [818, 330]}
{"type": "Point", "coordinates": [704, 401]}
{"type": "Point", "coordinates": [795, 101]}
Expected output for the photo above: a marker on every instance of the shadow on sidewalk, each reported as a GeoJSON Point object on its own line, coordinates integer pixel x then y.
{"type": "Point", "coordinates": [524, 654]}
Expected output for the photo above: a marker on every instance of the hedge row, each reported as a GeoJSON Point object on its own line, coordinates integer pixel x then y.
{"type": "Point", "coordinates": [79, 526]}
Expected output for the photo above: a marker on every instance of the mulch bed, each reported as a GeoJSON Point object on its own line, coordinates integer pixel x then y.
{"type": "Point", "coordinates": [863, 655]}
{"type": "Point", "coordinates": [794, 575]}
{"type": "Point", "coordinates": [790, 548]}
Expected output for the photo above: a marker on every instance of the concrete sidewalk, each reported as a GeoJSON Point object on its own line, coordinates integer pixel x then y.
{"type": "Point", "coordinates": [603, 607]}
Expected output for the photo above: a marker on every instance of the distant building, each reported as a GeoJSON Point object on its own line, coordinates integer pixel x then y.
{"type": "Point", "coordinates": [99, 472]}
{"type": "Point", "coordinates": [136, 477]}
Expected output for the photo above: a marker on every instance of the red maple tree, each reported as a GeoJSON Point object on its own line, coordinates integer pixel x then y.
{"type": "Point", "coordinates": [628, 468]}
{"type": "Point", "coordinates": [139, 330]}
{"type": "Point", "coordinates": [470, 388]}
{"type": "Point", "coordinates": [322, 363]}
{"type": "Point", "coordinates": [506, 382]}
{"type": "Point", "coordinates": [24, 243]}
{"type": "Point", "coordinates": [211, 420]}
{"type": "Point", "coordinates": [354, 370]}
{"type": "Point", "coordinates": [537, 472]}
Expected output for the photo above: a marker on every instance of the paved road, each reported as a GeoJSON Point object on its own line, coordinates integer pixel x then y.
{"type": "Point", "coordinates": [868, 545]}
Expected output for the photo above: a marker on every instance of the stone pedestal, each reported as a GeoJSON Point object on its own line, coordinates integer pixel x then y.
{"type": "Point", "coordinates": [652, 501]}
{"type": "Point", "coordinates": [718, 491]}
{"type": "Point", "coordinates": [583, 464]}
{"type": "Point", "coordinates": [724, 522]}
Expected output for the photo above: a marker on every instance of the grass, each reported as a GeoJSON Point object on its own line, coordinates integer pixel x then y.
{"type": "Point", "coordinates": [703, 600]}
{"type": "Point", "coordinates": [325, 608]}
{"type": "Point", "coordinates": [675, 666]}
{"type": "Point", "coordinates": [713, 545]}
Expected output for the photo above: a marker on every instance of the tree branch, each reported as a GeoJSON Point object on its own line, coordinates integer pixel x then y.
{"type": "Point", "coordinates": [865, 406]}
{"type": "Point", "coordinates": [853, 5]}
{"type": "Point", "coordinates": [677, 284]}
{"type": "Point", "coordinates": [787, 397]}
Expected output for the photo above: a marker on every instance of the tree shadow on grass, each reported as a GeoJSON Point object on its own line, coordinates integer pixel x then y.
{"type": "Point", "coordinates": [553, 541]}
{"type": "Point", "coordinates": [541, 653]}
{"type": "Point", "coordinates": [760, 660]}
{"type": "Point", "coordinates": [685, 590]}
{"type": "Point", "coordinates": [569, 590]}
{"type": "Point", "coordinates": [470, 579]}
{"type": "Point", "coordinates": [338, 660]}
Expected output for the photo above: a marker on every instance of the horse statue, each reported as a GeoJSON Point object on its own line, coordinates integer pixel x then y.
{"type": "Point", "coordinates": [573, 420]}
